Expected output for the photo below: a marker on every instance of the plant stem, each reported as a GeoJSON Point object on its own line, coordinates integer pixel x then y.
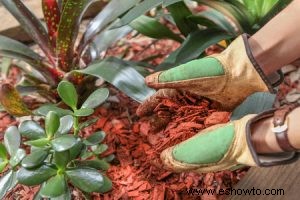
{"type": "Point", "coordinates": [76, 125]}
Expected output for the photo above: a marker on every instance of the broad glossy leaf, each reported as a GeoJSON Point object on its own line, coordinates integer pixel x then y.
{"type": "Point", "coordinates": [87, 123]}
{"type": "Point", "coordinates": [180, 12]}
{"type": "Point", "coordinates": [52, 124]}
{"type": "Point", "coordinates": [95, 138]}
{"type": "Point", "coordinates": [7, 182]}
{"type": "Point", "coordinates": [30, 24]}
{"type": "Point", "coordinates": [122, 76]}
{"type": "Point", "coordinates": [66, 124]}
{"type": "Point", "coordinates": [139, 10]}
{"type": "Point", "coordinates": [107, 185]}
{"type": "Point", "coordinates": [17, 158]}
{"type": "Point", "coordinates": [42, 142]}
{"type": "Point", "coordinates": [109, 13]}
{"type": "Point", "coordinates": [35, 176]}
{"type": "Point", "coordinates": [63, 143]}
{"type": "Point", "coordinates": [86, 155]}
{"type": "Point", "coordinates": [34, 159]}
{"type": "Point", "coordinates": [54, 187]}
{"type": "Point", "coordinates": [68, 30]}
{"type": "Point", "coordinates": [100, 148]}
{"type": "Point", "coordinates": [96, 98]}
{"type": "Point", "coordinates": [97, 164]}
{"type": "Point", "coordinates": [31, 130]}
{"type": "Point", "coordinates": [61, 159]}
{"type": "Point", "coordinates": [3, 152]}
{"type": "Point", "coordinates": [150, 27]}
{"type": "Point", "coordinates": [86, 179]}
{"type": "Point", "coordinates": [11, 100]}
{"type": "Point", "coordinates": [169, 2]}
{"type": "Point", "coordinates": [3, 164]}
{"type": "Point", "coordinates": [65, 196]}
{"type": "Point", "coordinates": [75, 151]}
{"type": "Point", "coordinates": [68, 94]}
{"type": "Point", "coordinates": [83, 112]}
{"type": "Point", "coordinates": [12, 140]}
{"type": "Point", "coordinates": [194, 46]}
{"type": "Point", "coordinates": [44, 109]}
{"type": "Point", "coordinates": [109, 158]}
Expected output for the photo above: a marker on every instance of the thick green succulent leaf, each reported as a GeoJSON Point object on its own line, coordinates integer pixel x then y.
{"type": "Point", "coordinates": [170, 2]}
{"type": "Point", "coordinates": [68, 30]}
{"type": "Point", "coordinates": [150, 27]}
{"type": "Point", "coordinates": [180, 12]}
{"type": "Point", "coordinates": [30, 24]}
{"type": "Point", "coordinates": [95, 138]}
{"type": "Point", "coordinates": [64, 196]}
{"type": "Point", "coordinates": [46, 108]}
{"type": "Point", "coordinates": [3, 164]}
{"type": "Point", "coordinates": [88, 123]}
{"type": "Point", "coordinates": [31, 130]}
{"type": "Point", "coordinates": [12, 140]}
{"type": "Point", "coordinates": [7, 182]}
{"type": "Point", "coordinates": [109, 158]}
{"type": "Point", "coordinates": [96, 164]}
{"type": "Point", "coordinates": [194, 46]}
{"type": "Point", "coordinates": [3, 152]}
{"type": "Point", "coordinates": [86, 155]}
{"type": "Point", "coordinates": [75, 151]}
{"type": "Point", "coordinates": [64, 142]}
{"type": "Point", "coordinates": [109, 14]}
{"type": "Point", "coordinates": [54, 187]}
{"type": "Point", "coordinates": [66, 124]}
{"type": "Point", "coordinates": [96, 98]}
{"type": "Point", "coordinates": [34, 159]}
{"type": "Point", "coordinates": [139, 10]}
{"type": "Point", "coordinates": [122, 76]}
{"type": "Point", "coordinates": [68, 94]}
{"type": "Point", "coordinates": [35, 176]}
{"type": "Point", "coordinates": [5, 65]}
{"type": "Point", "coordinates": [107, 185]}
{"type": "Point", "coordinates": [61, 159]}
{"type": "Point", "coordinates": [83, 112]}
{"type": "Point", "coordinates": [52, 124]}
{"type": "Point", "coordinates": [17, 157]}
{"type": "Point", "coordinates": [100, 148]}
{"type": "Point", "coordinates": [11, 100]}
{"type": "Point", "coordinates": [86, 179]}
{"type": "Point", "coordinates": [42, 142]}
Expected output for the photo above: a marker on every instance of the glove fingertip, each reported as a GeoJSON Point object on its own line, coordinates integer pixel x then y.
{"type": "Point", "coordinates": [153, 79]}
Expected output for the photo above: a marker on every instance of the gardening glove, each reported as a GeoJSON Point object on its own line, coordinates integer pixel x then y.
{"type": "Point", "coordinates": [228, 146]}
{"type": "Point", "coordinates": [228, 77]}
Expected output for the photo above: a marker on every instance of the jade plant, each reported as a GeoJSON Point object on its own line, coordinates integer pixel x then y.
{"type": "Point", "coordinates": [58, 154]}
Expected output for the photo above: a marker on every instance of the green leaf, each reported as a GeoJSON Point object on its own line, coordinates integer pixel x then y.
{"type": "Point", "coordinates": [54, 187]}
{"type": "Point", "coordinates": [65, 196]}
{"type": "Point", "coordinates": [61, 159]}
{"type": "Point", "coordinates": [3, 152]}
{"type": "Point", "coordinates": [97, 164]}
{"type": "Point", "coordinates": [95, 138]}
{"type": "Point", "coordinates": [31, 130]}
{"type": "Point", "coordinates": [86, 155]}
{"type": "Point", "coordinates": [34, 159]}
{"type": "Point", "coordinates": [169, 2]}
{"type": "Point", "coordinates": [46, 108]}
{"type": "Point", "coordinates": [122, 76]}
{"type": "Point", "coordinates": [152, 28]}
{"type": "Point", "coordinates": [52, 124]}
{"type": "Point", "coordinates": [30, 24]}
{"type": "Point", "coordinates": [139, 10]}
{"type": "Point", "coordinates": [194, 46]}
{"type": "Point", "coordinates": [83, 112]}
{"type": "Point", "coordinates": [96, 98]}
{"type": "Point", "coordinates": [180, 12]}
{"type": "Point", "coordinates": [11, 100]}
{"type": "Point", "coordinates": [87, 123]}
{"type": "Point", "coordinates": [107, 185]}
{"type": "Point", "coordinates": [35, 176]}
{"type": "Point", "coordinates": [68, 94]}
{"type": "Point", "coordinates": [100, 149]}
{"type": "Point", "coordinates": [66, 124]}
{"type": "Point", "coordinates": [7, 182]}
{"type": "Point", "coordinates": [17, 158]}
{"type": "Point", "coordinates": [68, 30]}
{"type": "Point", "coordinates": [75, 151]}
{"type": "Point", "coordinates": [12, 140]}
{"type": "Point", "coordinates": [3, 164]}
{"type": "Point", "coordinates": [109, 158]}
{"type": "Point", "coordinates": [5, 65]}
{"type": "Point", "coordinates": [38, 143]}
{"type": "Point", "coordinates": [86, 179]}
{"type": "Point", "coordinates": [63, 143]}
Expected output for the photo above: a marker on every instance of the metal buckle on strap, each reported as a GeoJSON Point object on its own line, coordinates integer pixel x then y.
{"type": "Point", "coordinates": [280, 129]}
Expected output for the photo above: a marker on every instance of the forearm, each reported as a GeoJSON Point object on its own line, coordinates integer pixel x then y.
{"type": "Point", "coordinates": [278, 42]}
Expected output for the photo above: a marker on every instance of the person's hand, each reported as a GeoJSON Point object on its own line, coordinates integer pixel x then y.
{"type": "Point", "coordinates": [229, 146]}
{"type": "Point", "coordinates": [228, 78]}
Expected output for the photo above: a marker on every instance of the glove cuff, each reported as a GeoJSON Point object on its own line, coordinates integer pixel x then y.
{"type": "Point", "coordinates": [272, 80]}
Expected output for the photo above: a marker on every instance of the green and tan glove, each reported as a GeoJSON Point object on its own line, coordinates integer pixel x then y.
{"type": "Point", "coordinates": [228, 78]}
{"type": "Point", "coordinates": [228, 146]}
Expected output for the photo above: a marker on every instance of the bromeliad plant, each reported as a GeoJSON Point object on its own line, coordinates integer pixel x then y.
{"type": "Point", "coordinates": [65, 55]}
{"type": "Point", "coordinates": [58, 154]}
